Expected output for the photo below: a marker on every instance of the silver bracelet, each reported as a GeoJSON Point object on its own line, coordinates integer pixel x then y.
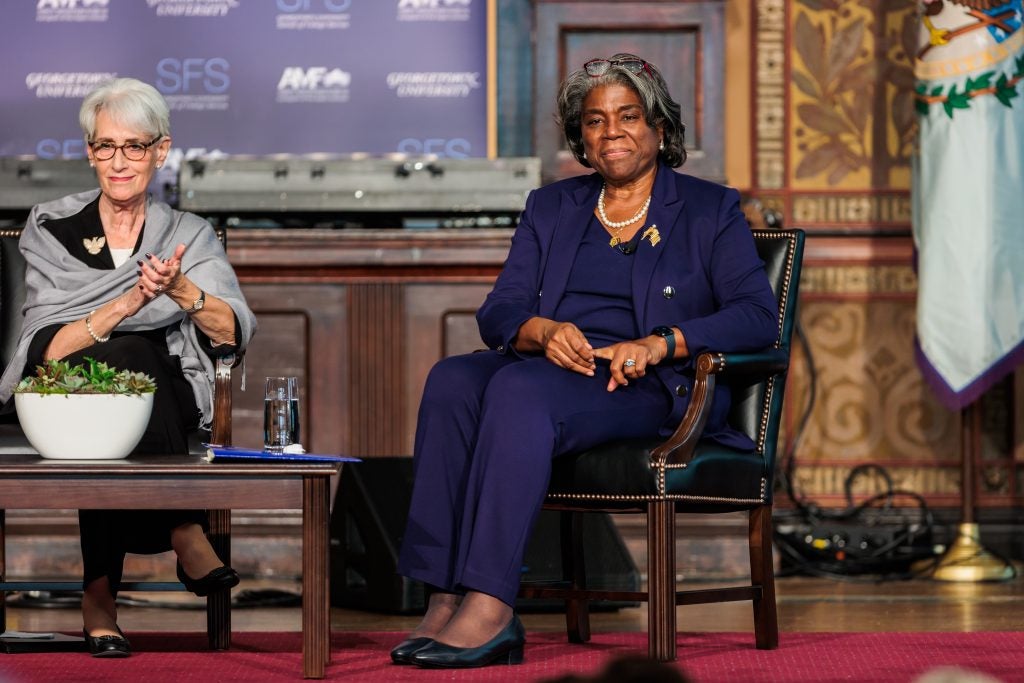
{"type": "Point", "coordinates": [88, 326]}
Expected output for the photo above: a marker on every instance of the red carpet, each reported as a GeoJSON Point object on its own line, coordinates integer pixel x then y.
{"type": "Point", "coordinates": [706, 658]}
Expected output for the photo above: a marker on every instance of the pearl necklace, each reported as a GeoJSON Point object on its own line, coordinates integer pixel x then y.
{"type": "Point", "coordinates": [619, 225]}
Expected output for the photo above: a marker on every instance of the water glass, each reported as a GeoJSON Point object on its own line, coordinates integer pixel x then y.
{"type": "Point", "coordinates": [281, 413]}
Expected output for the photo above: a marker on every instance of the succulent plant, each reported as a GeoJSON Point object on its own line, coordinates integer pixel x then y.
{"type": "Point", "coordinates": [90, 377]}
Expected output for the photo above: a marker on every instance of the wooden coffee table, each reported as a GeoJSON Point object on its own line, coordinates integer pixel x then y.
{"type": "Point", "coordinates": [189, 482]}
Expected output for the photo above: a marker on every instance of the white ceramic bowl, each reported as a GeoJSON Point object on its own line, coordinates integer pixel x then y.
{"type": "Point", "coordinates": [83, 426]}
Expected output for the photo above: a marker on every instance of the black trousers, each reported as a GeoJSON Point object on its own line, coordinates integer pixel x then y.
{"type": "Point", "coordinates": [107, 535]}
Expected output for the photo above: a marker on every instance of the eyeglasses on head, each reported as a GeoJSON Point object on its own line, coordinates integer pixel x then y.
{"type": "Point", "coordinates": [599, 67]}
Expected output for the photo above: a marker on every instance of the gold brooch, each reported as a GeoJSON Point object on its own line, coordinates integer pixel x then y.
{"type": "Point", "coordinates": [651, 234]}
{"type": "Point", "coordinates": [94, 245]}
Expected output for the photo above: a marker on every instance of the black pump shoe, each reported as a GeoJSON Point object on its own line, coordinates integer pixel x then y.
{"type": "Point", "coordinates": [504, 648]}
{"type": "Point", "coordinates": [107, 646]}
{"type": "Point", "coordinates": [403, 652]}
{"type": "Point", "coordinates": [220, 579]}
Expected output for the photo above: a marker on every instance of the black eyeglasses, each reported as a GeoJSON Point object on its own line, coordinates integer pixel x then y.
{"type": "Point", "coordinates": [133, 151]}
{"type": "Point", "coordinates": [599, 67]}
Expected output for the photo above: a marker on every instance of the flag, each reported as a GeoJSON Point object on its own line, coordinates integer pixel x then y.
{"type": "Point", "coordinates": [968, 195]}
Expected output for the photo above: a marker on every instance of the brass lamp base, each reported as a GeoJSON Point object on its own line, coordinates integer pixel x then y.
{"type": "Point", "coordinates": [967, 560]}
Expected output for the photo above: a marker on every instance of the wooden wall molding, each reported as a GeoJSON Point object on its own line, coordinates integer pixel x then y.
{"type": "Point", "coordinates": [359, 317]}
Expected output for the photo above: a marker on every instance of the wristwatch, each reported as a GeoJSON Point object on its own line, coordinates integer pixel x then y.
{"type": "Point", "coordinates": [198, 304]}
{"type": "Point", "coordinates": [670, 338]}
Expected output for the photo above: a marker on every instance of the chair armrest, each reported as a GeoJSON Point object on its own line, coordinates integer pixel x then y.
{"type": "Point", "coordinates": [220, 430]}
{"type": "Point", "coordinates": [758, 366]}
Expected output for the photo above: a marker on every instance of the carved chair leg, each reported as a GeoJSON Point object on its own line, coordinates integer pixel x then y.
{"type": "Point", "coordinates": [218, 605]}
{"type": "Point", "coordinates": [661, 581]}
{"type": "Point", "coordinates": [577, 611]}
{"type": "Point", "coordinates": [762, 573]}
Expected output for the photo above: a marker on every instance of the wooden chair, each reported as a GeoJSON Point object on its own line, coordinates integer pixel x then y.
{"type": "Point", "coordinates": [12, 297]}
{"type": "Point", "coordinates": [684, 474]}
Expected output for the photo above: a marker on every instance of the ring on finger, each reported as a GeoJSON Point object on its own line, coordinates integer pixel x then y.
{"type": "Point", "coordinates": [159, 288]}
{"type": "Point", "coordinates": [629, 363]}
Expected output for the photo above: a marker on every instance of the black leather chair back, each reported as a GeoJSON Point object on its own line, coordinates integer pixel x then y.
{"type": "Point", "coordinates": [782, 252]}
{"type": "Point", "coordinates": [12, 293]}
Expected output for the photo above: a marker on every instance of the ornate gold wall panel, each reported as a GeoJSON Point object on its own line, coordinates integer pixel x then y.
{"type": "Point", "coordinates": [851, 108]}
{"type": "Point", "coordinates": [833, 125]}
{"type": "Point", "coordinates": [833, 131]}
{"type": "Point", "coordinates": [870, 403]}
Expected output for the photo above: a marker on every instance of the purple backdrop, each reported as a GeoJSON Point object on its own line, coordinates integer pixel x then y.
{"type": "Point", "coordinates": [255, 76]}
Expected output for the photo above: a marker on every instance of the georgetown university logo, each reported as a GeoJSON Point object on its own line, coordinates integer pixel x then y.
{"type": "Point", "coordinates": [192, 8]}
{"type": "Point", "coordinates": [65, 84]}
{"type": "Point", "coordinates": [432, 84]}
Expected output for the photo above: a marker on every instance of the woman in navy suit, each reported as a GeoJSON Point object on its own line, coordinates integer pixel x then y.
{"type": "Point", "coordinates": [614, 282]}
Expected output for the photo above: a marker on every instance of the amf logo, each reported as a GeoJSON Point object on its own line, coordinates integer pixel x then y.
{"type": "Point", "coordinates": [70, 4]}
{"type": "Point", "coordinates": [72, 10]}
{"type": "Point", "coordinates": [433, 10]}
{"type": "Point", "coordinates": [432, 4]}
{"type": "Point", "coordinates": [313, 84]}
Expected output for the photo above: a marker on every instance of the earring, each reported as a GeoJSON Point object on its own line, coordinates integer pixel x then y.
{"type": "Point", "coordinates": [661, 146]}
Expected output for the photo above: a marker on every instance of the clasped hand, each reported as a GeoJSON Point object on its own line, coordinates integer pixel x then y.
{"type": "Point", "coordinates": [567, 347]}
{"type": "Point", "coordinates": [156, 277]}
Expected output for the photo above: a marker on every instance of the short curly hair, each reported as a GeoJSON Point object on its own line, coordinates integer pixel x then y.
{"type": "Point", "coordinates": [659, 107]}
{"type": "Point", "coordinates": [130, 102]}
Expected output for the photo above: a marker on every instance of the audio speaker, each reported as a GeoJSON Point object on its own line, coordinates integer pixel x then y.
{"type": "Point", "coordinates": [368, 521]}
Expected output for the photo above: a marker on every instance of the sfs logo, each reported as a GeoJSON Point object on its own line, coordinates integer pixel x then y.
{"type": "Point", "coordinates": [454, 148]}
{"type": "Point", "coordinates": [313, 5]}
{"type": "Point", "coordinates": [51, 148]}
{"type": "Point", "coordinates": [178, 76]}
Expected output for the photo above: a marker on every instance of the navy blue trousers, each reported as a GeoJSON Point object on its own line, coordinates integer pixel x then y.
{"type": "Point", "coordinates": [489, 426]}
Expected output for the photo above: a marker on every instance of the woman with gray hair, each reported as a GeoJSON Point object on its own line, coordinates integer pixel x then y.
{"type": "Point", "coordinates": [589, 342]}
{"type": "Point", "coordinates": [114, 275]}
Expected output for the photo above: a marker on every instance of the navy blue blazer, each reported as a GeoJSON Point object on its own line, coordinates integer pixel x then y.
{"type": "Point", "coordinates": [703, 276]}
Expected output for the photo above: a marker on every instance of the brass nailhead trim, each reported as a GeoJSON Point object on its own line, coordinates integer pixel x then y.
{"type": "Point", "coordinates": [786, 282]}
{"type": "Point", "coordinates": [675, 496]}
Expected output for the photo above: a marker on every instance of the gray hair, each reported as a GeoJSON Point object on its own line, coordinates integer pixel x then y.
{"type": "Point", "coordinates": [659, 107]}
{"type": "Point", "coordinates": [131, 103]}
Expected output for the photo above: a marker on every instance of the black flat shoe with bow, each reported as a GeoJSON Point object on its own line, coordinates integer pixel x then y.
{"type": "Point", "coordinates": [220, 579]}
{"type": "Point", "coordinates": [107, 646]}
{"type": "Point", "coordinates": [403, 652]}
{"type": "Point", "coordinates": [504, 648]}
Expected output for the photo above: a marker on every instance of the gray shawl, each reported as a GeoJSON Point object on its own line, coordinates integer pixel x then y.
{"type": "Point", "coordinates": [62, 289]}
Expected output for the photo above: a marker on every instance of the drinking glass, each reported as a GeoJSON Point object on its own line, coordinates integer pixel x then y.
{"type": "Point", "coordinates": [281, 413]}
